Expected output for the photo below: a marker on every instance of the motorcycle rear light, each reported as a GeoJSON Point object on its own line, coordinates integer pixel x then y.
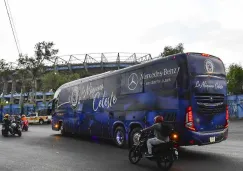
{"type": "Point", "coordinates": [189, 119]}
{"type": "Point", "coordinates": [175, 136]}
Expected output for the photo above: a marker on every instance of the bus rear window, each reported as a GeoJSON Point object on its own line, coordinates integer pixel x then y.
{"type": "Point", "coordinates": [200, 65]}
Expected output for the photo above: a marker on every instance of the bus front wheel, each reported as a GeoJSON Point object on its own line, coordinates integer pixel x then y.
{"type": "Point", "coordinates": [120, 136]}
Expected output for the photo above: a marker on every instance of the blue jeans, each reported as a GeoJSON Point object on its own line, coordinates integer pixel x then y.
{"type": "Point", "coordinates": [153, 141]}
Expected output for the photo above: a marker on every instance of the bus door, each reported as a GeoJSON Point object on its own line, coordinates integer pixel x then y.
{"type": "Point", "coordinates": [106, 118]}
{"type": "Point", "coordinates": [112, 118]}
{"type": "Point", "coordinates": [68, 120]}
{"type": "Point", "coordinates": [96, 123]}
{"type": "Point", "coordinates": [83, 119]}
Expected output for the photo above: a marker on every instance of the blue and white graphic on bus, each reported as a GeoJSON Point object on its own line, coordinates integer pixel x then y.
{"type": "Point", "coordinates": [189, 90]}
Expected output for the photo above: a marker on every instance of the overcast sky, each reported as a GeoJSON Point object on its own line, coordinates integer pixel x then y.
{"type": "Point", "coordinates": [146, 26]}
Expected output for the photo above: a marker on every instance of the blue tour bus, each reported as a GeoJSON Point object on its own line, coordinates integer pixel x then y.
{"type": "Point", "coordinates": [188, 90]}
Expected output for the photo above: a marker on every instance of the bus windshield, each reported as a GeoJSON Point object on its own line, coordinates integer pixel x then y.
{"type": "Point", "coordinates": [199, 65]}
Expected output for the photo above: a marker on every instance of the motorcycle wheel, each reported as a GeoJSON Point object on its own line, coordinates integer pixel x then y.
{"type": "Point", "coordinates": [165, 162]}
{"type": "Point", "coordinates": [134, 155]}
{"type": "Point", "coordinates": [19, 133]}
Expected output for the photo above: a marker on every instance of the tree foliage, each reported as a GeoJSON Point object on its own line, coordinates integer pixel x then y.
{"type": "Point", "coordinates": [44, 51]}
{"type": "Point", "coordinates": [169, 50]}
{"type": "Point", "coordinates": [235, 79]}
{"type": "Point", "coordinates": [4, 68]}
{"type": "Point", "coordinates": [54, 80]}
{"type": "Point", "coordinates": [4, 73]}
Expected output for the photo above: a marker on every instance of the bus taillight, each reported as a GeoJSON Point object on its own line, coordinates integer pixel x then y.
{"type": "Point", "coordinates": [189, 119]}
{"type": "Point", "coordinates": [227, 117]}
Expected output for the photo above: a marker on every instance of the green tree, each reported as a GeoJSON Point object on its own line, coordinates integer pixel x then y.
{"type": "Point", "coordinates": [235, 79]}
{"type": "Point", "coordinates": [44, 51]}
{"type": "Point", "coordinates": [4, 74]}
{"type": "Point", "coordinates": [24, 75]}
{"type": "Point", "coordinates": [53, 80]}
{"type": "Point", "coordinates": [169, 50]}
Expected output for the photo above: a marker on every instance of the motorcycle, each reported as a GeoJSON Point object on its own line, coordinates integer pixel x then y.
{"type": "Point", "coordinates": [163, 154]}
{"type": "Point", "coordinates": [13, 129]}
{"type": "Point", "coordinates": [25, 125]}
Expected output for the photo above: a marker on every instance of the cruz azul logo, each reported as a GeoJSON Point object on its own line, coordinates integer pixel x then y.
{"type": "Point", "coordinates": [74, 98]}
{"type": "Point", "coordinates": [209, 66]}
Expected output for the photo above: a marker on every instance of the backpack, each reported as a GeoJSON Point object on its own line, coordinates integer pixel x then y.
{"type": "Point", "coordinates": [165, 130]}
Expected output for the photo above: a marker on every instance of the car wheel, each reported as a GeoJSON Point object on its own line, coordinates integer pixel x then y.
{"type": "Point", "coordinates": [41, 121]}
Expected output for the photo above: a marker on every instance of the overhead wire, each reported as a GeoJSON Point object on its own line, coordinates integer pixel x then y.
{"type": "Point", "coordinates": [15, 31]}
{"type": "Point", "coordinates": [12, 26]}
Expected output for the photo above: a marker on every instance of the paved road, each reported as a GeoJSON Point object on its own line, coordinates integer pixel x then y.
{"type": "Point", "coordinates": [42, 149]}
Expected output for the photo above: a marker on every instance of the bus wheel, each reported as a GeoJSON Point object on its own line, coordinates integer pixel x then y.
{"type": "Point", "coordinates": [134, 136]}
{"type": "Point", "coordinates": [120, 136]}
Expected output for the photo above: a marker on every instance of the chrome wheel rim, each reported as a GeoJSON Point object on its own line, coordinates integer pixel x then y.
{"type": "Point", "coordinates": [136, 137]}
{"type": "Point", "coordinates": [119, 137]}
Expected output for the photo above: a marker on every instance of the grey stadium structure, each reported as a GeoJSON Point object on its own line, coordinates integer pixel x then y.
{"type": "Point", "coordinates": [92, 63]}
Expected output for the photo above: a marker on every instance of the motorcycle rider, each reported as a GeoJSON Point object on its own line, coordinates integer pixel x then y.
{"type": "Point", "coordinates": [160, 137]}
{"type": "Point", "coordinates": [23, 118]}
{"type": "Point", "coordinates": [7, 122]}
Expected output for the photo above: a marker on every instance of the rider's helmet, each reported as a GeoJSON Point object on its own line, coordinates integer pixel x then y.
{"type": "Point", "coordinates": [23, 116]}
{"type": "Point", "coordinates": [6, 116]}
{"type": "Point", "coordinates": [158, 119]}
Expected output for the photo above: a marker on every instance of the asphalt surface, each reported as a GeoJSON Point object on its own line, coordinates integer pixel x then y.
{"type": "Point", "coordinates": [41, 149]}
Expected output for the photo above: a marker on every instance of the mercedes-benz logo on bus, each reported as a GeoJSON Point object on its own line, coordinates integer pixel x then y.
{"type": "Point", "coordinates": [209, 66]}
{"type": "Point", "coordinates": [132, 81]}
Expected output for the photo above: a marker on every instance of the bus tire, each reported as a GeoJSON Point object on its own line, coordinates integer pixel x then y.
{"type": "Point", "coordinates": [134, 135]}
{"type": "Point", "coordinates": [120, 136]}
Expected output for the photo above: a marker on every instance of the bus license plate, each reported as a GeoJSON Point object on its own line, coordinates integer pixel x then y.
{"type": "Point", "coordinates": [212, 139]}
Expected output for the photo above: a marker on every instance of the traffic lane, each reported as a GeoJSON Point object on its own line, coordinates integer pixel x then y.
{"type": "Point", "coordinates": [236, 130]}
{"type": "Point", "coordinates": [225, 156]}
{"type": "Point", "coordinates": [40, 149]}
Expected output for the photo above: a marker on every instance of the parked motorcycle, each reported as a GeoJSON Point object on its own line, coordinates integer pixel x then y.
{"type": "Point", "coordinates": [163, 154]}
{"type": "Point", "coordinates": [13, 129]}
{"type": "Point", "coordinates": [25, 125]}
